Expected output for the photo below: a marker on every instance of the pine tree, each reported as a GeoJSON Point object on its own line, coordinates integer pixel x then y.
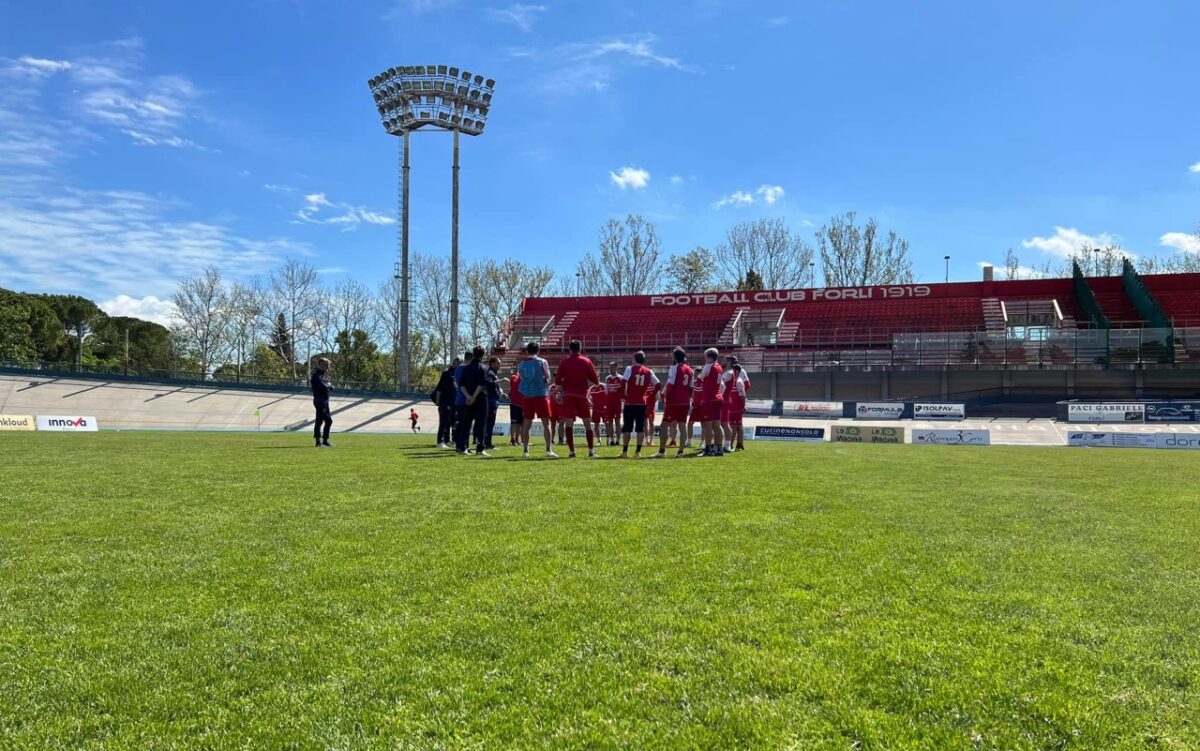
{"type": "Point", "coordinates": [280, 341]}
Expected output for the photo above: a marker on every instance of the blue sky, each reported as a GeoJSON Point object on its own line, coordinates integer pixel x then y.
{"type": "Point", "coordinates": [141, 141]}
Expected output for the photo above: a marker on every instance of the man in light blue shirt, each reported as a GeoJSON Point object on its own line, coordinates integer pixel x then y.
{"type": "Point", "coordinates": [535, 390]}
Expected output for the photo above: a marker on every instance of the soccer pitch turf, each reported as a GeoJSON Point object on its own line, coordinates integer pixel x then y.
{"type": "Point", "coordinates": [183, 590]}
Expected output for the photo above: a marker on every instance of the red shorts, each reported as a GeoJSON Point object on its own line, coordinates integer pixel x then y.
{"type": "Point", "coordinates": [732, 412]}
{"type": "Point", "coordinates": [576, 406]}
{"type": "Point", "coordinates": [537, 408]}
{"type": "Point", "coordinates": [675, 413]}
{"type": "Point", "coordinates": [614, 409]}
{"type": "Point", "coordinates": [709, 411]}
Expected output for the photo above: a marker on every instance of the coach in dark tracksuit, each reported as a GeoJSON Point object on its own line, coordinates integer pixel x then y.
{"type": "Point", "coordinates": [443, 397]}
{"type": "Point", "coordinates": [321, 389]}
{"type": "Point", "coordinates": [471, 384]}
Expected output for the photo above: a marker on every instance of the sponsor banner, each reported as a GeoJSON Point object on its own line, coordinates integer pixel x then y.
{"type": "Point", "coordinates": [1177, 440]}
{"type": "Point", "coordinates": [1173, 412]}
{"type": "Point", "coordinates": [17, 422]}
{"type": "Point", "coordinates": [1115, 412]}
{"type": "Point", "coordinates": [67, 424]}
{"type": "Point", "coordinates": [784, 433]}
{"type": "Point", "coordinates": [759, 406]}
{"type": "Point", "coordinates": [817, 410]}
{"type": "Point", "coordinates": [824, 294]}
{"type": "Point", "coordinates": [1112, 440]}
{"type": "Point", "coordinates": [939, 411]}
{"type": "Point", "coordinates": [856, 434]}
{"type": "Point", "coordinates": [953, 437]}
{"type": "Point", "coordinates": [878, 410]}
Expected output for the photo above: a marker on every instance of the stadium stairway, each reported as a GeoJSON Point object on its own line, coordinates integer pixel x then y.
{"type": "Point", "coordinates": [149, 406]}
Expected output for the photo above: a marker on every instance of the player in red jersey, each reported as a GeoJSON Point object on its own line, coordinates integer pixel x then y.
{"type": "Point", "coordinates": [638, 379]}
{"type": "Point", "coordinates": [708, 383]}
{"type": "Point", "coordinates": [731, 392]}
{"type": "Point", "coordinates": [652, 395]}
{"type": "Point", "coordinates": [556, 407]}
{"type": "Point", "coordinates": [734, 409]}
{"type": "Point", "coordinates": [676, 395]}
{"type": "Point", "coordinates": [575, 375]}
{"type": "Point", "coordinates": [598, 398]}
{"type": "Point", "coordinates": [615, 388]}
{"type": "Point", "coordinates": [516, 408]}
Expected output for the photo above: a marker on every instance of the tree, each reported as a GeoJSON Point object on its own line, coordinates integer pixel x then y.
{"type": "Point", "coordinates": [1097, 261]}
{"type": "Point", "coordinates": [348, 307]}
{"type": "Point", "coordinates": [1012, 265]}
{"type": "Point", "coordinates": [246, 321]}
{"type": "Point", "coordinates": [202, 304]}
{"type": "Point", "coordinates": [279, 341]}
{"type": "Point", "coordinates": [149, 344]}
{"type": "Point", "coordinates": [628, 262]}
{"type": "Point", "coordinates": [753, 282]}
{"type": "Point", "coordinates": [495, 292]}
{"type": "Point", "coordinates": [16, 340]}
{"type": "Point", "coordinates": [857, 257]}
{"type": "Point", "coordinates": [693, 271]}
{"type": "Point", "coordinates": [356, 355]}
{"type": "Point", "coordinates": [296, 295]}
{"type": "Point", "coordinates": [431, 308]}
{"type": "Point", "coordinates": [779, 257]}
{"type": "Point", "coordinates": [78, 316]}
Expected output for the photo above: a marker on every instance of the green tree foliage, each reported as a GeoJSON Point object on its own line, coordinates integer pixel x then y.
{"type": "Point", "coordinates": [79, 316]}
{"type": "Point", "coordinates": [149, 344]}
{"type": "Point", "coordinates": [752, 282]}
{"type": "Point", "coordinates": [693, 271]}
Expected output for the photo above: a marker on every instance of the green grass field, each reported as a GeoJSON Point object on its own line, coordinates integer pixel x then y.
{"type": "Point", "coordinates": [167, 590]}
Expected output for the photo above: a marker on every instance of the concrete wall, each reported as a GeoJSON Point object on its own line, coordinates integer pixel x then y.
{"type": "Point", "coordinates": [137, 405]}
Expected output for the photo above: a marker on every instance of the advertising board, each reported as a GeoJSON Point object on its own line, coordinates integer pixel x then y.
{"type": "Point", "coordinates": [759, 406]}
{"type": "Point", "coordinates": [784, 433]}
{"type": "Point", "coordinates": [939, 411]}
{"type": "Point", "coordinates": [1112, 440]}
{"type": "Point", "coordinates": [1112, 412]}
{"type": "Point", "coordinates": [1178, 440]}
{"type": "Point", "coordinates": [60, 424]}
{"type": "Point", "coordinates": [1172, 411]}
{"type": "Point", "coordinates": [815, 410]}
{"type": "Point", "coordinates": [856, 434]}
{"type": "Point", "coordinates": [878, 410]}
{"type": "Point", "coordinates": [17, 422]}
{"type": "Point", "coordinates": [953, 437]}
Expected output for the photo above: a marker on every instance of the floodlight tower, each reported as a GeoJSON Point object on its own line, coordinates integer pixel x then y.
{"type": "Point", "coordinates": [444, 98]}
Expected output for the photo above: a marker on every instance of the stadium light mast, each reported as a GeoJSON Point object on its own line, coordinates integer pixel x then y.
{"type": "Point", "coordinates": [444, 98]}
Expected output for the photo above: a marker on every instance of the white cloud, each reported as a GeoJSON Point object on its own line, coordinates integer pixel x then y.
{"type": "Point", "coordinates": [630, 177]}
{"type": "Point", "coordinates": [278, 188]}
{"type": "Point", "coordinates": [1194, 168]}
{"type": "Point", "coordinates": [736, 199]}
{"type": "Point", "coordinates": [331, 270]}
{"type": "Point", "coordinates": [778, 21]}
{"type": "Point", "coordinates": [417, 7]}
{"type": "Point", "coordinates": [104, 243]}
{"type": "Point", "coordinates": [1066, 242]}
{"type": "Point", "coordinates": [676, 180]}
{"type": "Point", "coordinates": [107, 90]}
{"type": "Point", "coordinates": [520, 15]}
{"type": "Point", "coordinates": [148, 308]}
{"type": "Point", "coordinates": [41, 67]}
{"type": "Point", "coordinates": [591, 66]}
{"type": "Point", "coordinates": [771, 193]}
{"type": "Point", "coordinates": [348, 217]}
{"type": "Point", "coordinates": [1181, 241]}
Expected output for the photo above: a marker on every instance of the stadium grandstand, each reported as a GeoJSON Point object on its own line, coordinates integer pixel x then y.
{"type": "Point", "coordinates": [1127, 335]}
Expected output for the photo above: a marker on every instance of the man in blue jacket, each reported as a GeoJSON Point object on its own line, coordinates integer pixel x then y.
{"type": "Point", "coordinates": [322, 388]}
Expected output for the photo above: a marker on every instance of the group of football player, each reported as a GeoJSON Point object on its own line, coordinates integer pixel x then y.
{"type": "Point", "coordinates": [712, 395]}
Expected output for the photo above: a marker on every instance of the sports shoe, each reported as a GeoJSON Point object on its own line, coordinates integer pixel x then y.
{"type": "Point", "coordinates": [551, 455]}
{"type": "Point", "coordinates": [318, 444]}
{"type": "Point", "coordinates": [327, 444]}
{"type": "Point", "coordinates": [678, 454]}
{"type": "Point", "coordinates": [659, 455]}
{"type": "Point", "coordinates": [593, 455]}
{"type": "Point", "coordinates": [571, 455]}
{"type": "Point", "coordinates": [483, 453]}
{"type": "Point", "coordinates": [526, 454]}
